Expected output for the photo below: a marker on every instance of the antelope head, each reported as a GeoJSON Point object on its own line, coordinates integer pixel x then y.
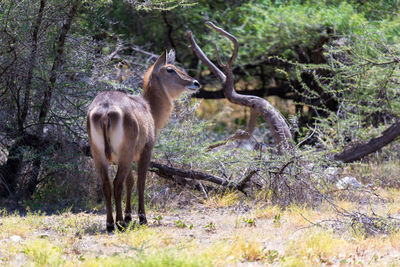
{"type": "Point", "coordinates": [172, 80]}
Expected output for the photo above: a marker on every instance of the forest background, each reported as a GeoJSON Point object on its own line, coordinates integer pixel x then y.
{"type": "Point", "coordinates": [330, 67]}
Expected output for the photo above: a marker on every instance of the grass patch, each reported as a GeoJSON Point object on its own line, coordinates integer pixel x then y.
{"type": "Point", "coordinates": [222, 201]}
{"type": "Point", "coordinates": [145, 237]}
{"type": "Point", "coordinates": [261, 235]}
{"type": "Point", "coordinates": [300, 215]}
{"type": "Point", "coordinates": [42, 253]}
{"type": "Point", "coordinates": [268, 212]}
{"type": "Point", "coordinates": [74, 224]}
{"type": "Point", "coordinates": [14, 224]}
{"type": "Point", "coordinates": [237, 248]}
{"type": "Point", "coordinates": [158, 258]}
{"type": "Point", "coordinates": [316, 246]}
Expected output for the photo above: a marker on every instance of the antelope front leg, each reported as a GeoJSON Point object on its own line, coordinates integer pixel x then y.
{"type": "Point", "coordinates": [128, 207]}
{"type": "Point", "coordinates": [142, 171]}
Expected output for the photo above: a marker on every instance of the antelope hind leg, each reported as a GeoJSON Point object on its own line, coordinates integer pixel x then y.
{"type": "Point", "coordinates": [143, 165]}
{"type": "Point", "coordinates": [128, 206]}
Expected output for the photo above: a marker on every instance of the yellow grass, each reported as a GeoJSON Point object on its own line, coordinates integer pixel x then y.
{"type": "Point", "coordinates": [317, 246]}
{"type": "Point", "coordinates": [268, 212]}
{"type": "Point", "coordinates": [221, 201]}
{"type": "Point", "coordinates": [281, 237]}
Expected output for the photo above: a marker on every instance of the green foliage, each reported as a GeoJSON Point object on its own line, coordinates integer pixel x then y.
{"type": "Point", "coordinates": [157, 219]}
{"type": "Point", "coordinates": [182, 224]}
{"type": "Point", "coordinates": [163, 5]}
{"type": "Point", "coordinates": [249, 222]}
{"type": "Point", "coordinates": [42, 253]}
{"type": "Point", "coordinates": [365, 84]}
{"type": "Point", "coordinates": [210, 227]}
{"type": "Point", "coordinates": [264, 27]}
{"type": "Point", "coordinates": [277, 219]}
{"type": "Point", "coordinates": [272, 256]}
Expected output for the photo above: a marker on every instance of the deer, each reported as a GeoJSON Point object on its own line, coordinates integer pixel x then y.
{"type": "Point", "coordinates": [122, 129]}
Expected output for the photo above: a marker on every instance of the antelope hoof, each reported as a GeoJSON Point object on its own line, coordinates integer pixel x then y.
{"type": "Point", "coordinates": [142, 219]}
{"type": "Point", "coordinates": [128, 218]}
{"type": "Point", "coordinates": [121, 225]}
{"type": "Point", "coordinates": [110, 227]}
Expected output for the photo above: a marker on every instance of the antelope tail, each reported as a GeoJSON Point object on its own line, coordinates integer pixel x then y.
{"type": "Point", "coordinates": [105, 126]}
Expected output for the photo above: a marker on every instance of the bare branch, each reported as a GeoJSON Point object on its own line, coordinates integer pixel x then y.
{"type": "Point", "coordinates": [231, 38]}
{"type": "Point", "coordinates": [279, 128]}
{"type": "Point", "coordinates": [137, 49]}
{"type": "Point", "coordinates": [200, 54]}
{"type": "Point", "coordinates": [60, 44]}
{"type": "Point", "coordinates": [242, 183]}
{"type": "Point", "coordinates": [218, 57]}
{"type": "Point", "coordinates": [162, 169]}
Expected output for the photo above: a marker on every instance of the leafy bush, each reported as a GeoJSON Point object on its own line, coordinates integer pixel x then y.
{"type": "Point", "coordinates": [364, 82]}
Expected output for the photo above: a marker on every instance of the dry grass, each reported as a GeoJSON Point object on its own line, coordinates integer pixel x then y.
{"type": "Point", "coordinates": [384, 173]}
{"type": "Point", "coordinates": [267, 212]}
{"type": "Point", "coordinates": [317, 246]}
{"type": "Point", "coordinates": [224, 233]}
{"type": "Point", "coordinates": [227, 199]}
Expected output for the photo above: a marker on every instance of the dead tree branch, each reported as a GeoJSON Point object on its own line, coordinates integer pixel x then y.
{"type": "Point", "coordinates": [359, 151]}
{"type": "Point", "coordinates": [241, 185]}
{"type": "Point", "coordinates": [168, 172]}
{"type": "Point", "coordinates": [279, 128]}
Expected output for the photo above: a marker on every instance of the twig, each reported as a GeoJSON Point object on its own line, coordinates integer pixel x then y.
{"type": "Point", "coordinates": [241, 183]}
{"type": "Point", "coordinates": [5, 184]}
{"type": "Point", "coordinates": [203, 189]}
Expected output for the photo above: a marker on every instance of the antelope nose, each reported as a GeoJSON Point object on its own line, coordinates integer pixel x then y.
{"type": "Point", "coordinates": [196, 84]}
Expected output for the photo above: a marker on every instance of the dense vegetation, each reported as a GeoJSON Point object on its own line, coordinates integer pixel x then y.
{"type": "Point", "coordinates": [331, 67]}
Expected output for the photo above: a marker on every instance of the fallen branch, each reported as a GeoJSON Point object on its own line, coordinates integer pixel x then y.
{"type": "Point", "coordinates": [168, 172]}
{"type": "Point", "coordinates": [359, 151]}
{"type": "Point", "coordinates": [241, 185]}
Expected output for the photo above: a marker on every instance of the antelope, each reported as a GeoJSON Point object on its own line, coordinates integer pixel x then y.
{"type": "Point", "coordinates": [122, 129]}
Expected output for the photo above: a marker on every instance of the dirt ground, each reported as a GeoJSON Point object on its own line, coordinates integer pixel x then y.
{"type": "Point", "coordinates": [220, 231]}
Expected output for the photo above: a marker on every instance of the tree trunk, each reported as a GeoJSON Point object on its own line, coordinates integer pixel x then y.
{"type": "Point", "coordinates": [45, 106]}
{"type": "Point", "coordinates": [31, 66]}
{"type": "Point", "coordinates": [10, 171]}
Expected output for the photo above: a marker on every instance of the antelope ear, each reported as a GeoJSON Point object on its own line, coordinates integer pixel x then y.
{"type": "Point", "coordinates": [171, 57]}
{"type": "Point", "coordinates": [161, 61]}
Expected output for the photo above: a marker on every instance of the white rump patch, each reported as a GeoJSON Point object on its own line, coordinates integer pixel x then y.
{"type": "Point", "coordinates": [96, 135]}
{"type": "Point", "coordinates": [116, 137]}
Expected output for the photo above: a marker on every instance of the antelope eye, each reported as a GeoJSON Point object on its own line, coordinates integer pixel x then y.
{"type": "Point", "coordinates": [170, 70]}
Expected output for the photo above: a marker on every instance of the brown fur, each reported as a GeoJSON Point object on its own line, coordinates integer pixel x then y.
{"type": "Point", "coordinates": [122, 128]}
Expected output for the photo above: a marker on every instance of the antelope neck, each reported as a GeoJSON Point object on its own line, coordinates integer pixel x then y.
{"type": "Point", "coordinates": [160, 102]}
